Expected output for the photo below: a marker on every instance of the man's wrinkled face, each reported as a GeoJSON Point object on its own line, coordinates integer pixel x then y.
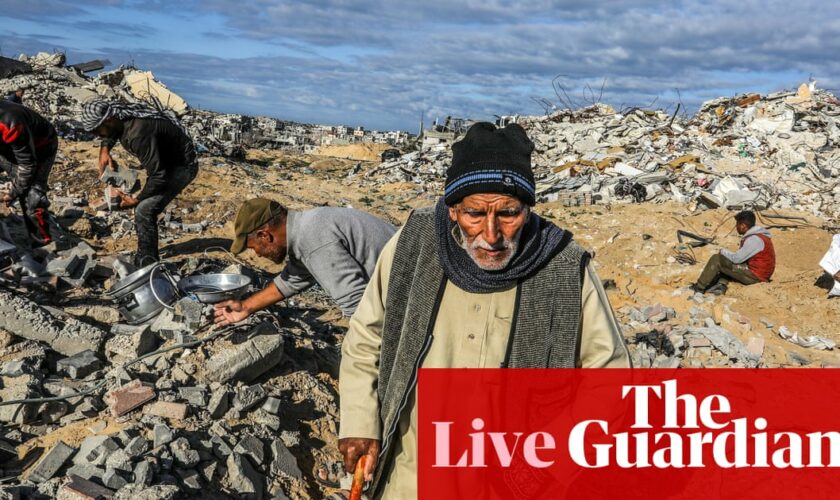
{"type": "Point", "coordinates": [265, 243]}
{"type": "Point", "coordinates": [490, 226]}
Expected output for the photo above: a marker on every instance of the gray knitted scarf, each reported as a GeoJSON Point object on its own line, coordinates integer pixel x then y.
{"type": "Point", "coordinates": [539, 242]}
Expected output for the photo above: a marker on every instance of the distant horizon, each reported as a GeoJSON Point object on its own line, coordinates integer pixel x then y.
{"type": "Point", "coordinates": [383, 65]}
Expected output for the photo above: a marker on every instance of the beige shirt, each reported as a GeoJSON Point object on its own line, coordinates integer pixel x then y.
{"type": "Point", "coordinates": [471, 331]}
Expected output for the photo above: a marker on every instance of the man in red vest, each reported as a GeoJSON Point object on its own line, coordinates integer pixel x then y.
{"type": "Point", "coordinates": [754, 261]}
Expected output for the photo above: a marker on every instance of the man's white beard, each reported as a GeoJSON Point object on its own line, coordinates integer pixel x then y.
{"type": "Point", "coordinates": [509, 245]}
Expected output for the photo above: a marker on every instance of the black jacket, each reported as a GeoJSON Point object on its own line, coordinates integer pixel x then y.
{"type": "Point", "coordinates": [160, 146]}
{"type": "Point", "coordinates": [27, 140]}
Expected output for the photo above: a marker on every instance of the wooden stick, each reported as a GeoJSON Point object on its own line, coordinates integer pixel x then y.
{"type": "Point", "coordinates": [358, 479]}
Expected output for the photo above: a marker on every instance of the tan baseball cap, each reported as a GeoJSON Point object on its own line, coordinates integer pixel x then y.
{"type": "Point", "coordinates": [254, 213]}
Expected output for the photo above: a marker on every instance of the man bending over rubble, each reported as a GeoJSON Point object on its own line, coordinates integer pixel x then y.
{"type": "Point", "coordinates": [163, 146]}
{"type": "Point", "coordinates": [335, 247]}
{"type": "Point", "coordinates": [755, 261]}
{"type": "Point", "coordinates": [28, 143]}
{"type": "Point", "coordinates": [478, 281]}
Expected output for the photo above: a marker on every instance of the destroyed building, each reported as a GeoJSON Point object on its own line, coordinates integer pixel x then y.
{"type": "Point", "coordinates": [94, 407]}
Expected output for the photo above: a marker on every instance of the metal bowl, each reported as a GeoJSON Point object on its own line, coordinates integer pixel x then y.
{"type": "Point", "coordinates": [212, 288]}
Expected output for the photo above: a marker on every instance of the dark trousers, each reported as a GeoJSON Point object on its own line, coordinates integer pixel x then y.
{"type": "Point", "coordinates": [33, 201]}
{"type": "Point", "coordinates": [720, 269]}
{"type": "Point", "coordinates": [147, 211]}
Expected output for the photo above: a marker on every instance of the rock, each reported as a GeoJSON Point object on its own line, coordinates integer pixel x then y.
{"type": "Point", "coordinates": [83, 489]}
{"type": "Point", "coordinates": [136, 447]}
{"type": "Point", "coordinates": [66, 335]}
{"type": "Point", "coordinates": [252, 447]}
{"type": "Point", "coordinates": [143, 473]}
{"type": "Point", "coordinates": [51, 462]}
{"type": "Point", "coordinates": [272, 405]}
{"type": "Point", "coordinates": [797, 359]}
{"type": "Point", "coordinates": [15, 388]}
{"type": "Point", "coordinates": [755, 346]}
{"type": "Point", "coordinates": [283, 461]}
{"type": "Point", "coordinates": [128, 397]}
{"type": "Point", "coordinates": [113, 480]}
{"type": "Point", "coordinates": [248, 360]}
{"type": "Point", "coordinates": [79, 365]}
{"type": "Point", "coordinates": [120, 461]}
{"type": "Point", "coordinates": [190, 313]}
{"type": "Point", "coordinates": [130, 344]}
{"type": "Point", "coordinates": [190, 479]}
{"type": "Point", "coordinates": [94, 450]}
{"type": "Point", "coordinates": [193, 395]}
{"type": "Point", "coordinates": [163, 435]}
{"type": "Point", "coordinates": [248, 397]}
{"type": "Point", "coordinates": [156, 492]}
{"type": "Point", "coordinates": [86, 471]}
{"type": "Point", "coordinates": [184, 455]}
{"type": "Point", "coordinates": [166, 409]}
{"type": "Point", "coordinates": [243, 479]}
{"type": "Point", "coordinates": [219, 403]}
{"type": "Point", "coordinates": [220, 447]}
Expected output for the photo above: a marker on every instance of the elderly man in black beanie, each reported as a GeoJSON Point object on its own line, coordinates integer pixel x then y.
{"type": "Point", "coordinates": [467, 273]}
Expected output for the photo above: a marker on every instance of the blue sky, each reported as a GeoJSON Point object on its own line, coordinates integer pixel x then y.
{"type": "Point", "coordinates": [384, 64]}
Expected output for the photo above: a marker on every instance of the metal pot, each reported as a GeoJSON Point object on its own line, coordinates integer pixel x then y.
{"type": "Point", "coordinates": [143, 294]}
{"type": "Point", "coordinates": [212, 288]}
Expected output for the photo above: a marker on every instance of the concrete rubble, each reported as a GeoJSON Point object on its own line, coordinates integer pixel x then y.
{"type": "Point", "coordinates": [784, 143]}
{"type": "Point", "coordinates": [248, 414]}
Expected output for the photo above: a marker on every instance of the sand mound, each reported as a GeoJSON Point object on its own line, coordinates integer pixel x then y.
{"type": "Point", "coordinates": [360, 152]}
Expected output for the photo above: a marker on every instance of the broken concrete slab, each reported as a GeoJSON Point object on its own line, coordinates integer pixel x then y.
{"type": "Point", "coordinates": [184, 455]}
{"type": "Point", "coordinates": [167, 409]}
{"type": "Point", "coordinates": [129, 343]}
{"type": "Point", "coordinates": [243, 479]}
{"type": "Point", "coordinates": [252, 447]}
{"type": "Point", "coordinates": [156, 492]}
{"type": "Point", "coordinates": [219, 403]}
{"type": "Point", "coordinates": [51, 462]}
{"type": "Point", "coordinates": [248, 397]}
{"type": "Point", "coordinates": [128, 397]}
{"type": "Point", "coordinates": [84, 489]}
{"type": "Point", "coordinates": [247, 361]}
{"type": "Point", "coordinates": [66, 335]}
{"type": "Point", "coordinates": [19, 388]}
{"type": "Point", "coordinates": [283, 461]}
{"type": "Point", "coordinates": [79, 365]}
{"type": "Point", "coordinates": [162, 435]}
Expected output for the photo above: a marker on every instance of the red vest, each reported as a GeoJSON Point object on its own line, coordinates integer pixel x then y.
{"type": "Point", "coordinates": [763, 263]}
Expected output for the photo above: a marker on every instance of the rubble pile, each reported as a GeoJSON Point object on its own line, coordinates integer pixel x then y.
{"type": "Point", "coordinates": [166, 409]}
{"type": "Point", "coordinates": [774, 151]}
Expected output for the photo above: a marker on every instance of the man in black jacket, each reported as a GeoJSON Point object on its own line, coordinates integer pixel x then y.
{"type": "Point", "coordinates": [165, 151]}
{"type": "Point", "coordinates": [28, 143]}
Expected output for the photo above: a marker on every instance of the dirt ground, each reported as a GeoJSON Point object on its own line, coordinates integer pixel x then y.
{"type": "Point", "coordinates": [633, 244]}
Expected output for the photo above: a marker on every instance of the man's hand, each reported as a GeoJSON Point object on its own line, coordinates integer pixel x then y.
{"type": "Point", "coordinates": [229, 312]}
{"type": "Point", "coordinates": [836, 276]}
{"type": "Point", "coordinates": [354, 448]}
{"type": "Point", "coordinates": [127, 201]}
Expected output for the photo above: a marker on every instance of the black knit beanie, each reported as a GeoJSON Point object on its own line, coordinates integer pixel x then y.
{"type": "Point", "coordinates": [491, 160]}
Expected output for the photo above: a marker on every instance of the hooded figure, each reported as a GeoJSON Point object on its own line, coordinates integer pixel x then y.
{"type": "Point", "coordinates": [163, 146]}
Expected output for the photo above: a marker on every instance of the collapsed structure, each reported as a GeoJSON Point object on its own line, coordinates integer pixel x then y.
{"type": "Point", "coordinates": [97, 408]}
{"type": "Point", "coordinates": [774, 151]}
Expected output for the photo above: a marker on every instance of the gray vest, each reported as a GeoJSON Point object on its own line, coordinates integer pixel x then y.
{"type": "Point", "coordinates": [545, 330]}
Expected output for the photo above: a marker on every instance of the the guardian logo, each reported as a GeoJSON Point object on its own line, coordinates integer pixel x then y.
{"type": "Point", "coordinates": [719, 439]}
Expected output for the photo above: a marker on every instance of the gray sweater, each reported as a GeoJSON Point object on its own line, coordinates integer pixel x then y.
{"type": "Point", "coordinates": [335, 247]}
{"type": "Point", "coordinates": [752, 245]}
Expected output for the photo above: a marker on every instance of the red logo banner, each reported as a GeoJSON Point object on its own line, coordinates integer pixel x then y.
{"type": "Point", "coordinates": [604, 433]}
